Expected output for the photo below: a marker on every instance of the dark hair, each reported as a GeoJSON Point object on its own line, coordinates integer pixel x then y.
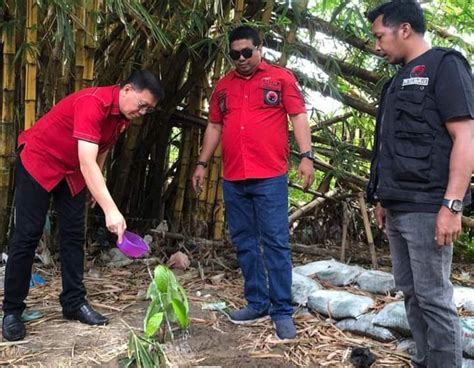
{"type": "Point", "coordinates": [144, 79]}
{"type": "Point", "coordinates": [244, 33]}
{"type": "Point", "coordinates": [397, 12]}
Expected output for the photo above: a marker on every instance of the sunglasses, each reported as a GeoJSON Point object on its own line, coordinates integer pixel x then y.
{"type": "Point", "coordinates": [246, 53]}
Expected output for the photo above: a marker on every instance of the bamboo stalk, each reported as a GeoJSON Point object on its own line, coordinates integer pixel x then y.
{"type": "Point", "coordinates": [182, 180]}
{"type": "Point", "coordinates": [92, 8]}
{"type": "Point", "coordinates": [291, 36]}
{"type": "Point", "coordinates": [7, 120]}
{"type": "Point", "coordinates": [31, 68]}
{"type": "Point", "coordinates": [219, 218]}
{"type": "Point", "coordinates": [213, 179]}
{"type": "Point", "coordinates": [370, 239]}
{"type": "Point", "coordinates": [80, 51]}
{"type": "Point", "coordinates": [239, 10]}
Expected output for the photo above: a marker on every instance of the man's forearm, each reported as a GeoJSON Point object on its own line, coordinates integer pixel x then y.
{"type": "Point", "coordinates": [302, 131]}
{"type": "Point", "coordinates": [460, 167]}
{"type": "Point", "coordinates": [461, 162]}
{"type": "Point", "coordinates": [212, 137]}
{"type": "Point", "coordinates": [96, 184]}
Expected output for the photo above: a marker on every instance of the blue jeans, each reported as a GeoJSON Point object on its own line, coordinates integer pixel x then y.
{"type": "Point", "coordinates": [421, 269]}
{"type": "Point", "coordinates": [257, 214]}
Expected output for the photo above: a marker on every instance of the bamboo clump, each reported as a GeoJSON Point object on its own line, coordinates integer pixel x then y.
{"type": "Point", "coordinates": [7, 120]}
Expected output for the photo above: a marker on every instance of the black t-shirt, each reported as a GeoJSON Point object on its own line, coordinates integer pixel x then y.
{"type": "Point", "coordinates": [454, 94]}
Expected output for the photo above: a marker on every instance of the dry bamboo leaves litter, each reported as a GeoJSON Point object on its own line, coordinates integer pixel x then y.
{"type": "Point", "coordinates": [319, 342]}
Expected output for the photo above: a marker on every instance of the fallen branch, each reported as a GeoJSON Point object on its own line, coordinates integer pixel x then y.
{"type": "Point", "coordinates": [310, 206]}
{"type": "Point", "coordinates": [468, 222]}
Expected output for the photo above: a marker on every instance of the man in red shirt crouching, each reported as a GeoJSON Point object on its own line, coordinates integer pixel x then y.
{"type": "Point", "coordinates": [61, 157]}
{"type": "Point", "coordinates": [249, 110]}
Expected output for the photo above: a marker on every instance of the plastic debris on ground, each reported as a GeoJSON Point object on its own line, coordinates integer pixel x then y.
{"type": "Point", "coordinates": [337, 273]}
{"type": "Point", "coordinates": [36, 280]}
{"type": "Point", "coordinates": [302, 287]}
{"type": "Point", "coordinates": [394, 317]}
{"type": "Point", "coordinates": [339, 304]}
{"type": "Point", "coordinates": [464, 297]}
{"type": "Point", "coordinates": [31, 315]}
{"type": "Point", "coordinates": [364, 326]}
{"type": "Point", "coordinates": [408, 346]}
{"type": "Point", "coordinates": [217, 306]}
{"type": "Point", "coordinates": [467, 326]}
{"type": "Point", "coordinates": [377, 282]}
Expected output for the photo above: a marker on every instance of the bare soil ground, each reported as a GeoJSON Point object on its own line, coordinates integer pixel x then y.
{"type": "Point", "coordinates": [212, 341]}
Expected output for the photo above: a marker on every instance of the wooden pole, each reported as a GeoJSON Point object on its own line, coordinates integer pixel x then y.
{"type": "Point", "coordinates": [345, 225]}
{"type": "Point", "coordinates": [368, 230]}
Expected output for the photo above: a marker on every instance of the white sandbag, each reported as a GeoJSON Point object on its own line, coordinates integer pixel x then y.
{"type": "Point", "coordinates": [302, 287]}
{"type": "Point", "coordinates": [408, 346]}
{"type": "Point", "coordinates": [364, 326]}
{"type": "Point", "coordinates": [469, 306]}
{"type": "Point", "coordinates": [339, 304]}
{"type": "Point", "coordinates": [464, 297]}
{"type": "Point", "coordinates": [467, 325]}
{"type": "Point", "coordinates": [467, 363]}
{"type": "Point", "coordinates": [337, 273]}
{"type": "Point", "coordinates": [394, 317]}
{"type": "Point", "coordinates": [374, 281]}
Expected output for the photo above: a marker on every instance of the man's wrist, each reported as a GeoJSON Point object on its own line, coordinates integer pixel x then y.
{"type": "Point", "coordinates": [201, 163]}
{"type": "Point", "coordinates": [454, 205]}
{"type": "Point", "coordinates": [308, 155]}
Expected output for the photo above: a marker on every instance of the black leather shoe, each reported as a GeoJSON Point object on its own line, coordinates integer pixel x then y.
{"type": "Point", "coordinates": [87, 315]}
{"type": "Point", "coordinates": [13, 328]}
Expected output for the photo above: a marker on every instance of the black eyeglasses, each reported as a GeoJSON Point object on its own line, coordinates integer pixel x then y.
{"type": "Point", "coordinates": [143, 107]}
{"type": "Point", "coordinates": [246, 53]}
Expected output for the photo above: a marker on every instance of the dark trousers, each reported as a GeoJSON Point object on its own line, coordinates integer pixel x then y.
{"type": "Point", "coordinates": [32, 203]}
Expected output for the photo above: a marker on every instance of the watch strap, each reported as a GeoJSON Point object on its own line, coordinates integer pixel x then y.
{"type": "Point", "coordinates": [202, 163]}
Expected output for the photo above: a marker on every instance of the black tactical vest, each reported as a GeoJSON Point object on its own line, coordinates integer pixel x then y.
{"type": "Point", "coordinates": [412, 145]}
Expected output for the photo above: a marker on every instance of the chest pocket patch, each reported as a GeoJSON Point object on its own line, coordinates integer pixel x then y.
{"type": "Point", "coordinates": [222, 101]}
{"type": "Point", "coordinates": [271, 92]}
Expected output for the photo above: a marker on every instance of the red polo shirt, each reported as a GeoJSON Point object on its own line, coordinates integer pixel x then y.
{"type": "Point", "coordinates": [50, 152]}
{"type": "Point", "coordinates": [255, 123]}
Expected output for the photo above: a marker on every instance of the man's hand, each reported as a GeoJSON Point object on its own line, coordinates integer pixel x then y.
{"type": "Point", "coordinates": [178, 260]}
{"type": "Point", "coordinates": [306, 172]}
{"type": "Point", "coordinates": [448, 227]}
{"type": "Point", "coordinates": [198, 178]}
{"type": "Point", "coordinates": [115, 223]}
{"type": "Point", "coordinates": [380, 216]}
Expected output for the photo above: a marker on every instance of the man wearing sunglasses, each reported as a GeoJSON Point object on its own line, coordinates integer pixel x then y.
{"type": "Point", "coordinates": [249, 110]}
{"type": "Point", "coordinates": [62, 157]}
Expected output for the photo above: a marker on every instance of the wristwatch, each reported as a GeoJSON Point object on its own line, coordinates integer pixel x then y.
{"type": "Point", "coordinates": [454, 205]}
{"type": "Point", "coordinates": [308, 154]}
{"type": "Point", "coordinates": [202, 163]}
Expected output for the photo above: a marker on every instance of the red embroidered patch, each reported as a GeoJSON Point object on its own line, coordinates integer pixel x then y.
{"type": "Point", "coordinates": [418, 71]}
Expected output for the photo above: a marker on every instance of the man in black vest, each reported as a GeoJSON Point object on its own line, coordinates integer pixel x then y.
{"type": "Point", "coordinates": [421, 168]}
